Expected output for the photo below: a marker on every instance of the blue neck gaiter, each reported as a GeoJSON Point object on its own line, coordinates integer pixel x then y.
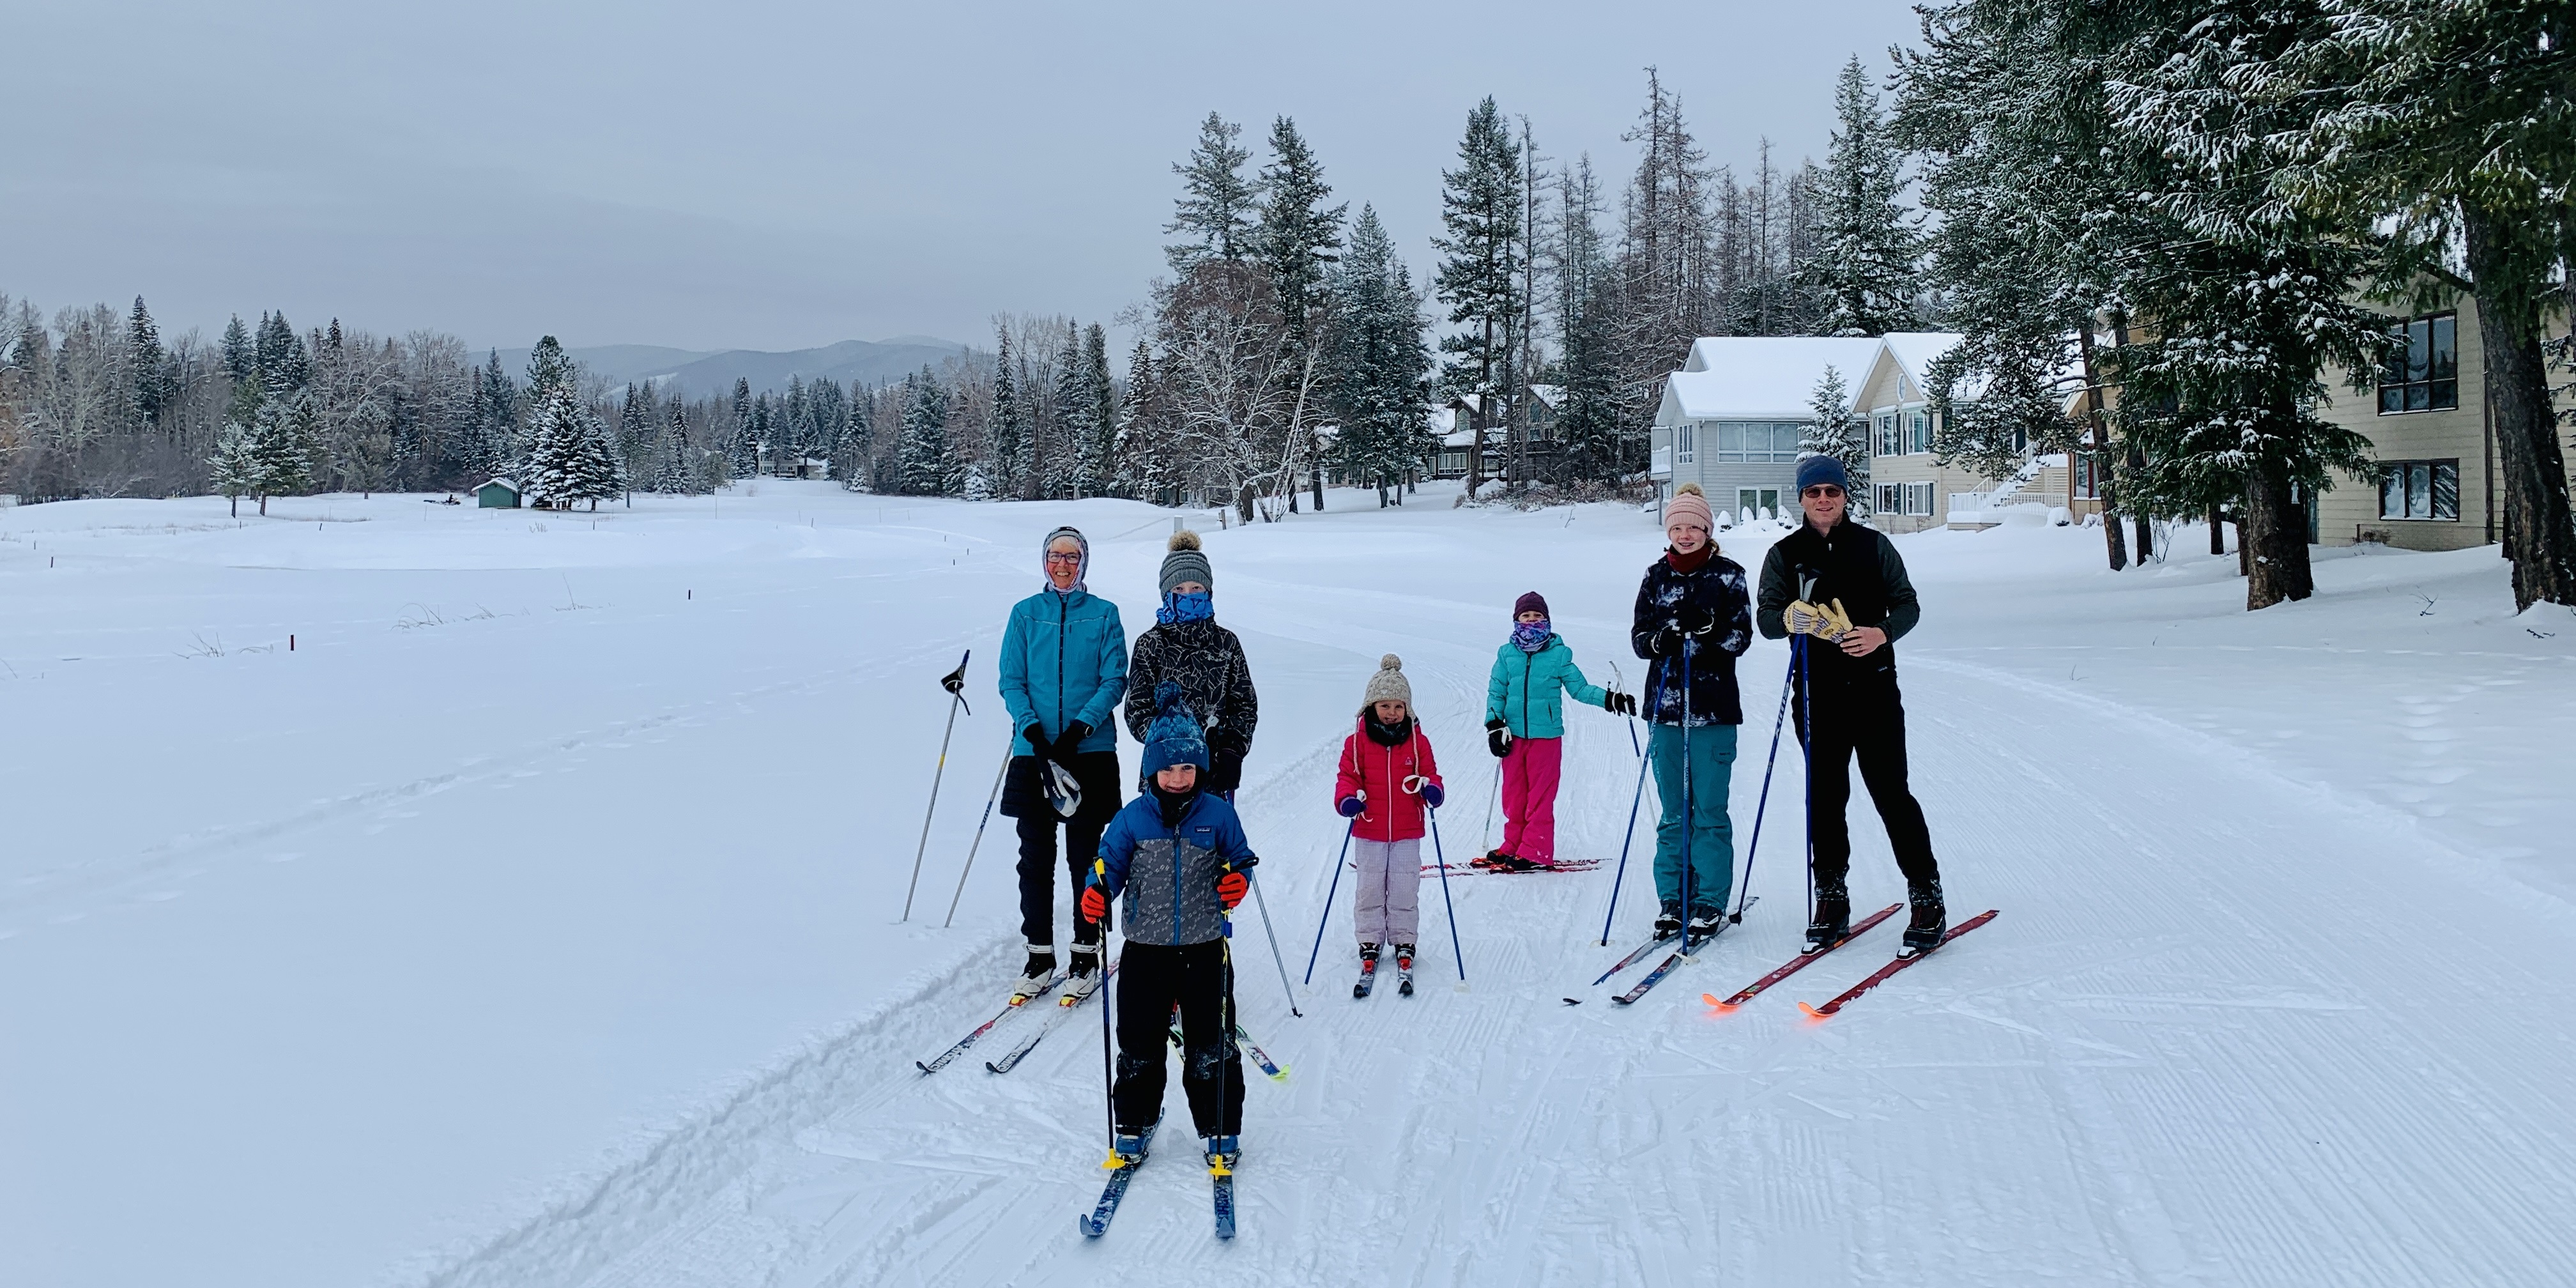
{"type": "Point", "coordinates": [1178, 608]}
{"type": "Point", "coordinates": [1530, 637]}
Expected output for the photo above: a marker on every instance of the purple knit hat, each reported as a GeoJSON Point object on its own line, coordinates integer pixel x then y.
{"type": "Point", "coordinates": [1529, 602]}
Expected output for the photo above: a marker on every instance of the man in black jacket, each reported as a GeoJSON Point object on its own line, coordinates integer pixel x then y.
{"type": "Point", "coordinates": [1844, 586]}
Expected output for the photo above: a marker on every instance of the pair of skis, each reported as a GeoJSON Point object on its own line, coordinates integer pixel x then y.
{"type": "Point", "coordinates": [1018, 1003]}
{"type": "Point", "coordinates": [1471, 869]}
{"type": "Point", "coordinates": [1691, 945]}
{"type": "Point", "coordinates": [1123, 1169]}
{"type": "Point", "coordinates": [1368, 978]}
{"type": "Point", "coordinates": [1875, 978]}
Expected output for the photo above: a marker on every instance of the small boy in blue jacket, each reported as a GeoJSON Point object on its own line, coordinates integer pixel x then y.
{"type": "Point", "coordinates": [1178, 856]}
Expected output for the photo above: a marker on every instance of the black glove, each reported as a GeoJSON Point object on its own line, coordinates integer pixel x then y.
{"type": "Point", "coordinates": [1619, 704]}
{"type": "Point", "coordinates": [1037, 740]}
{"type": "Point", "coordinates": [1666, 642]}
{"type": "Point", "coordinates": [1498, 738]}
{"type": "Point", "coordinates": [1070, 741]}
{"type": "Point", "coordinates": [1696, 620]}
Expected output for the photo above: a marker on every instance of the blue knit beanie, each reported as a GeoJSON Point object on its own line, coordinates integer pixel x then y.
{"type": "Point", "coordinates": [1822, 469]}
{"type": "Point", "coordinates": [1175, 737]}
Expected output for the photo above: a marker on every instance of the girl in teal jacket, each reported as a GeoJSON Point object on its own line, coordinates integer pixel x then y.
{"type": "Point", "coordinates": [1525, 727]}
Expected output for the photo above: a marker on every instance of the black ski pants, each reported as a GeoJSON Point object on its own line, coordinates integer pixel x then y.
{"type": "Point", "coordinates": [1859, 715]}
{"type": "Point", "coordinates": [1199, 979]}
{"type": "Point", "coordinates": [1037, 872]}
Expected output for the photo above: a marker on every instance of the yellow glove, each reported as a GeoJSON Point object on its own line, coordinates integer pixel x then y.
{"type": "Point", "coordinates": [1827, 624]}
{"type": "Point", "coordinates": [1836, 623]}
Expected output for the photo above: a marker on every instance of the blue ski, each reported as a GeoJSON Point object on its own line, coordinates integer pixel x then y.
{"type": "Point", "coordinates": [1689, 947]}
{"type": "Point", "coordinates": [1120, 1172]}
{"type": "Point", "coordinates": [1224, 1199]}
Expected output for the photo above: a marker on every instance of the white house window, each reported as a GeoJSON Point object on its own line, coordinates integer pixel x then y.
{"type": "Point", "coordinates": [1887, 444]}
{"type": "Point", "coordinates": [1891, 498]}
{"type": "Point", "coordinates": [1758, 441]}
{"type": "Point", "coordinates": [1918, 498]}
{"type": "Point", "coordinates": [1685, 443]}
{"type": "Point", "coordinates": [1758, 500]}
{"type": "Point", "coordinates": [2419, 490]}
{"type": "Point", "coordinates": [1905, 498]}
{"type": "Point", "coordinates": [1918, 433]}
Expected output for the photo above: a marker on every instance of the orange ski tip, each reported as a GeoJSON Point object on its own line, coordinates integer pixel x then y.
{"type": "Point", "coordinates": [1712, 999]}
{"type": "Point", "coordinates": [1812, 1012]}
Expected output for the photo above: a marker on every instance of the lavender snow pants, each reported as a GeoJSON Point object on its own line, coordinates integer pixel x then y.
{"type": "Point", "coordinates": [1389, 909]}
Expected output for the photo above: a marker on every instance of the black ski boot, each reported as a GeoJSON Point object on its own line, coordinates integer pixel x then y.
{"type": "Point", "coordinates": [1368, 971]}
{"type": "Point", "coordinates": [1668, 923]}
{"type": "Point", "coordinates": [1404, 970]}
{"type": "Point", "coordinates": [1931, 920]}
{"type": "Point", "coordinates": [1831, 923]}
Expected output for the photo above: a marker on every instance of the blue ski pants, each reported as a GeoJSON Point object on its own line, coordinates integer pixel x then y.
{"type": "Point", "coordinates": [1708, 834]}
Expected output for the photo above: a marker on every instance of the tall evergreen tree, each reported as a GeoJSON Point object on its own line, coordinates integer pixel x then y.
{"type": "Point", "coordinates": [281, 440]}
{"type": "Point", "coordinates": [1102, 449]}
{"type": "Point", "coordinates": [1071, 467]}
{"type": "Point", "coordinates": [1216, 210]}
{"type": "Point", "coordinates": [924, 452]}
{"type": "Point", "coordinates": [1380, 363]}
{"type": "Point", "coordinates": [1834, 431]}
{"type": "Point", "coordinates": [238, 471]}
{"type": "Point", "coordinates": [1298, 234]}
{"type": "Point", "coordinates": [1864, 262]}
{"type": "Point", "coordinates": [497, 443]}
{"type": "Point", "coordinates": [1008, 429]}
{"type": "Point", "coordinates": [742, 442]}
{"type": "Point", "coordinates": [1480, 278]}
{"type": "Point", "coordinates": [149, 364]}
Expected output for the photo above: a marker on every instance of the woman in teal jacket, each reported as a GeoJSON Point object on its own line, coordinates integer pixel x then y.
{"type": "Point", "coordinates": [1064, 667]}
{"type": "Point", "coordinates": [1525, 726]}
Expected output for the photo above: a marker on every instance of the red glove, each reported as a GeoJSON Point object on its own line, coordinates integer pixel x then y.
{"type": "Point", "coordinates": [1095, 905]}
{"type": "Point", "coordinates": [1231, 888]}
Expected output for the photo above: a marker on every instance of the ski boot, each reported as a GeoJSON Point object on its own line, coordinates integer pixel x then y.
{"type": "Point", "coordinates": [1404, 970]}
{"type": "Point", "coordinates": [1130, 1147]}
{"type": "Point", "coordinates": [1083, 976]}
{"type": "Point", "coordinates": [1668, 922]}
{"type": "Point", "coordinates": [1512, 863]}
{"type": "Point", "coordinates": [1223, 1152]}
{"type": "Point", "coordinates": [1706, 922]}
{"type": "Point", "coordinates": [1036, 976]}
{"type": "Point", "coordinates": [1831, 923]}
{"type": "Point", "coordinates": [1931, 919]}
{"type": "Point", "coordinates": [1368, 971]}
{"type": "Point", "coordinates": [1489, 859]}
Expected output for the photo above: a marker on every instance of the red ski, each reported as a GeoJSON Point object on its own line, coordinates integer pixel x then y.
{"type": "Point", "coordinates": [1463, 870]}
{"type": "Point", "coordinates": [1891, 968]}
{"type": "Point", "coordinates": [1799, 962]}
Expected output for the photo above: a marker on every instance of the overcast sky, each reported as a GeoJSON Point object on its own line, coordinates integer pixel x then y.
{"type": "Point", "coordinates": [779, 175]}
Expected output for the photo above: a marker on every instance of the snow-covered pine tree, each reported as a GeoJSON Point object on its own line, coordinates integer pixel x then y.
{"type": "Point", "coordinates": [240, 356]}
{"type": "Point", "coordinates": [827, 419]}
{"type": "Point", "coordinates": [1101, 449]}
{"type": "Point", "coordinates": [1070, 466]}
{"type": "Point", "coordinates": [2451, 126]}
{"type": "Point", "coordinates": [1581, 292]}
{"type": "Point", "coordinates": [1298, 234]}
{"type": "Point", "coordinates": [551, 475]}
{"type": "Point", "coordinates": [635, 424]}
{"type": "Point", "coordinates": [284, 363]}
{"type": "Point", "coordinates": [1480, 278]}
{"type": "Point", "coordinates": [237, 469]}
{"type": "Point", "coordinates": [282, 440]}
{"type": "Point", "coordinates": [1837, 433]}
{"type": "Point", "coordinates": [149, 365]}
{"type": "Point", "coordinates": [858, 439]}
{"type": "Point", "coordinates": [1144, 449]}
{"type": "Point", "coordinates": [1215, 212]}
{"type": "Point", "coordinates": [742, 440]}
{"type": "Point", "coordinates": [2250, 299]}
{"type": "Point", "coordinates": [596, 470]}
{"type": "Point", "coordinates": [497, 445]}
{"type": "Point", "coordinates": [923, 456]}
{"type": "Point", "coordinates": [1009, 424]}
{"type": "Point", "coordinates": [1378, 362]}
{"type": "Point", "coordinates": [1864, 261]}
{"type": "Point", "coordinates": [792, 424]}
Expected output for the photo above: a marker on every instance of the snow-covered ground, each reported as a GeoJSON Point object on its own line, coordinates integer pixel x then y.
{"type": "Point", "coordinates": [533, 920]}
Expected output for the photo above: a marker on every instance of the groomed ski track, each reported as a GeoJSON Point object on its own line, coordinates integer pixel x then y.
{"type": "Point", "coordinates": [2234, 1028]}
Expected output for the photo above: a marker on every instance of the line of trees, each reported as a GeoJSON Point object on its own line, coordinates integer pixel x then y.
{"type": "Point", "coordinates": [2214, 188]}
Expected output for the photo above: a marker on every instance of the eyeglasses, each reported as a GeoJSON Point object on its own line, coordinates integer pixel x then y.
{"type": "Point", "coordinates": [1826, 490]}
{"type": "Point", "coordinates": [1060, 556]}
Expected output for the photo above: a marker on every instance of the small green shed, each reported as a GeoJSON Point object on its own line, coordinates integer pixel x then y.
{"type": "Point", "coordinates": [499, 494]}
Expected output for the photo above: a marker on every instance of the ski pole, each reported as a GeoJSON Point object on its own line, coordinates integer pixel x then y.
{"type": "Point", "coordinates": [955, 683]}
{"type": "Point", "coordinates": [998, 775]}
{"type": "Point", "coordinates": [1262, 902]}
{"type": "Point", "coordinates": [1690, 818]}
{"type": "Point", "coordinates": [1452, 909]}
{"type": "Point", "coordinates": [1633, 745]}
{"type": "Point", "coordinates": [1625, 842]}
{"type": "Point", "coordinates": [1763, 802]}
{"type": "Point", "coordinates": [1807, 754]}
{"type": "Point", "coordinates": [1486, 839]}
{"type": "Point", "coordinates": [1108, 1067]}
{"type": "Point", "coordinates": [1352, 826]}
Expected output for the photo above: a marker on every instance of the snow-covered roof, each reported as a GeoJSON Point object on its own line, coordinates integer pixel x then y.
{"type": "Point", "coordinates": [1552, 395]}
{"type": "Point", "coordinates": [1761, 377]}
{"type": "Point", "coordinates": [1915, 350]}
{"type": "Point", "coordinates": [489, 482]}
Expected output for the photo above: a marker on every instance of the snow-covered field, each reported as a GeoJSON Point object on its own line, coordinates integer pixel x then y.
{"type": "Point", "coordinates": [533, 920]}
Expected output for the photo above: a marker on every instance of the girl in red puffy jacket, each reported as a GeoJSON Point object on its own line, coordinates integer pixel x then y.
{"type": "Point", "coordinates": [1387, 776]}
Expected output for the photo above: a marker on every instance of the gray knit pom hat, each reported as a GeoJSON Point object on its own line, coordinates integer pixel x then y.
{"type": "Point", "coordinates": [1186, 562]}
{"type": "Point", "coordinates": [1388, 685]}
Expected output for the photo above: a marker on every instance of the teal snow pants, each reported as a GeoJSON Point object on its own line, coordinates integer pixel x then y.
{"type": "Point", "coordinates": [1710, 834]}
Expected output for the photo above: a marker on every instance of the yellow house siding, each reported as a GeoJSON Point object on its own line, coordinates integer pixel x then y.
{"type": "Point", "coordinates": [2349, 512]}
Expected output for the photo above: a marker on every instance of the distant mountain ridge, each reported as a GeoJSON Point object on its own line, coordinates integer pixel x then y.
{"type": "Point", "coordinates": [698, 372]}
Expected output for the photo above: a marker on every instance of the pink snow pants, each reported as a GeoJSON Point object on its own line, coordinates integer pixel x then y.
{"type": "Point", "coordinates": [1530, 771]}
